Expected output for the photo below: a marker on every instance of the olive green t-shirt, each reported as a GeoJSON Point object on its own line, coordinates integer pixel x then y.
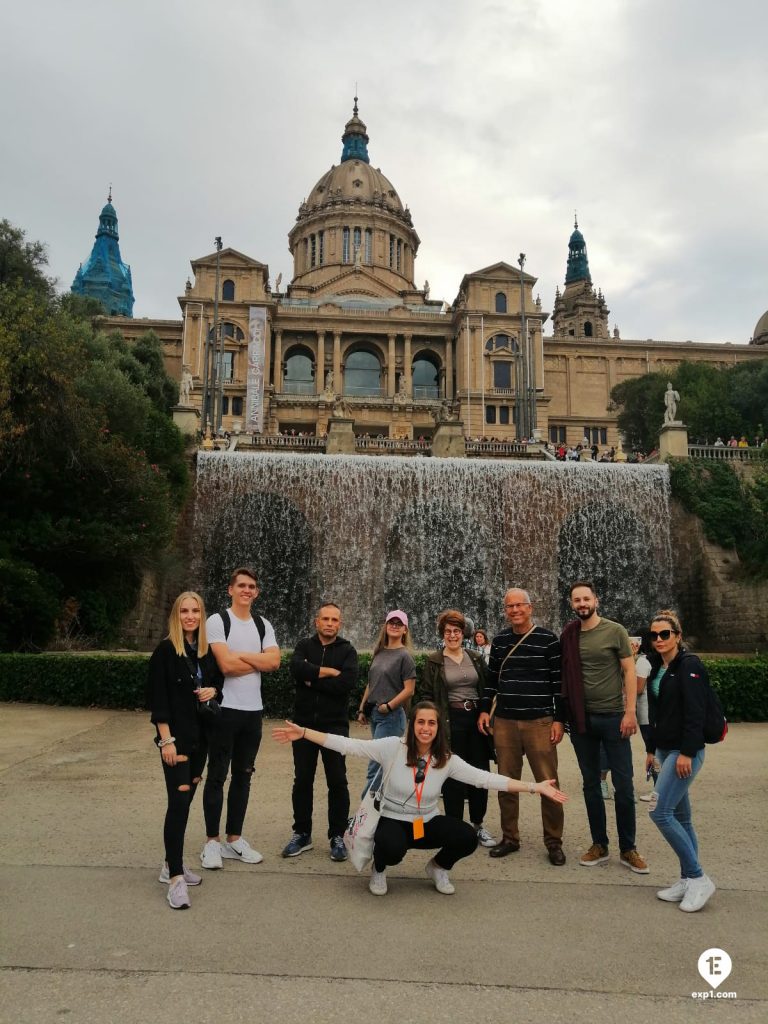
{"type": "Point", "coordinates": [600, 650]}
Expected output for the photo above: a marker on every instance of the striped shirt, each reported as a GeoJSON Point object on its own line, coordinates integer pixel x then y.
{"type": "Point", "coordinates": [528, 683]}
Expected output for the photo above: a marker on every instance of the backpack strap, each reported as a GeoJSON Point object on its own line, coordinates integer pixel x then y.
{"type": "Point", "coordinates": [257, 619]}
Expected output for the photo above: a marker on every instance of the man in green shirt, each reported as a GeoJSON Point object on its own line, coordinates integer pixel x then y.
{"type": "Point", "coordinates": [600, 687]}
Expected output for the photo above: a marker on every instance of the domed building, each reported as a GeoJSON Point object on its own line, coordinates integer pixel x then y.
{"type": "Point", "coordinates": [353, 337]}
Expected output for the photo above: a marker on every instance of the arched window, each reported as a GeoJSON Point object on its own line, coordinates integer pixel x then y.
{"type": "Point", "coordinates": [228, 291]}
{"type": "Point", "coordinates": [368, 245]}
{"type": "Point", "coordinates": [362, 374]}
{"type": "Point", "coordinates": [312, 250]}
{"type": "Point", "coordinates": [587, 329]}
{"type": "Point", "coordinates": [425, 378]}
{"type": "Point", "coordinates": [501, 302]}
{"type": "Point", "coordinates": [321, 247]}
{"type": "Point", "coordinates": [299, 376]}
{"type": "Point", "coordinates": [357, 242]}
{"type": "Point", "coordinates": [501, 341]}
{"type": "Point", "coordinates": [345, 245]}
{"type": "Point", "coordinates": [229, 330]}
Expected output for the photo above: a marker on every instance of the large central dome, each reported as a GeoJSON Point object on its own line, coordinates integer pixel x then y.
{"type": "Point", "coordinates": [353, 218]}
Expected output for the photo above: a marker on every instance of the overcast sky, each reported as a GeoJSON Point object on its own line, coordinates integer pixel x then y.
{"type": "Point", "coordinates": [493, 120]}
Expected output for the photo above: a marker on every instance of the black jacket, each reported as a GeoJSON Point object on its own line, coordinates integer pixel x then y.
{"type": "Point", "coordinates": [676, 716]}
{"type": "Point", "coordinates": [171, 686]}
{"type": "Point", "coordinates": [323, 703]}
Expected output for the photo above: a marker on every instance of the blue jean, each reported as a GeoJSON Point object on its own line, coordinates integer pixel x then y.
{"type": "Point", "coordinates": [604, 730]}
{"type": "Point", "coordinates": [672, 813]}
{"type": "Point", "coordinates": [391, 724]}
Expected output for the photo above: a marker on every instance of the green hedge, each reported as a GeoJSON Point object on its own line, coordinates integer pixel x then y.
{"type": "Point", "coordinates": [119, 681]}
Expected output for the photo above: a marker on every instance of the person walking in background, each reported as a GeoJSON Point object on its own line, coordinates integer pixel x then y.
{"type": "Point", "coordinates": [324, 668]}
{"type": "Point", "coordinates": [454, 680]}
{"type": "Point", "coordinates": [600, 689]}
{"type": "Point", "coordinates": [524, 680]}
{"type": "Point", "coordinates": [416, 769]}
{"type": "Point", "coordinates": [183, 677]}
{"type": "Point", "coordinates": [391, 682]}
{"type": "Point", "coordinates": [677, 703]}
{"type": "Point", "coordinates": [244, 646]}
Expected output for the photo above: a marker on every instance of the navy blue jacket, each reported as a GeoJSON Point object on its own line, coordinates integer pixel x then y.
{"type": "Point", "coordinates": [676, 716]}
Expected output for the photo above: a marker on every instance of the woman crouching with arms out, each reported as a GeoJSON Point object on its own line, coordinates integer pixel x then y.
{"type": "Point", "coordinates": [183, 675]}
{"type": "Point", "coordinates": [416, 767]}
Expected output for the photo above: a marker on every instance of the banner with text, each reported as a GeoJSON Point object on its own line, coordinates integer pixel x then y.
{"type": "Point", "coordinates": [254, 383]}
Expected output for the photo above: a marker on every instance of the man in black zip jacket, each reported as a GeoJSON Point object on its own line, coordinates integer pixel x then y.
{"type": "Point", "coordinates": [325, 669]}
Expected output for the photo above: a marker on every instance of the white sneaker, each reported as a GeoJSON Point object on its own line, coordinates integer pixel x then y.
{"type": "Point", "coordinates": [210, 857]}
{"type": "Point", "coordinates": [440, 878]}
{"type": "Point", "coordinates": [674, 893]}
{"type": "Point", "coordinates": [696, 895]}
{"type": "Point", "coordinates": [650, 798]}
{"type": "Point", "coordinates": [484, 837]}
{"type": "Point", "coordinates": [189, 876]}
{"type": "Point", "coordinates": [378, 883]}
{"type": "Point", "coordinates": [240, 850]}
{"type": "Point", "coordinates": [177, 895]}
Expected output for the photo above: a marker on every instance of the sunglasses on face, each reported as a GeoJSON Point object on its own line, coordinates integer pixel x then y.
{"type": "Point", "coordinates": [421, 770]}
{"type": "Point", "coordinates": [663, 634]}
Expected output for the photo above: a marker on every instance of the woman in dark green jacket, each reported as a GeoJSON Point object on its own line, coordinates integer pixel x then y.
{"type": "Point", "coordinates": [454, 679]}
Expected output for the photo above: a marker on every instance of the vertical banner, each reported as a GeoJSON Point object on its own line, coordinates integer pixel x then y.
{"type": "Point", "coordinates": [254, 382]}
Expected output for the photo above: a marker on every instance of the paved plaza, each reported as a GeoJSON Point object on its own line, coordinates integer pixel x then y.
{"type": "Point", "coordinates": [86, 935]}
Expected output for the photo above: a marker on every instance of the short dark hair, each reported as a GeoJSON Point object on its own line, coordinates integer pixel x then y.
{"type": "Point", "coordinates": [242, 571]}
{"type": "Point", "coordinates": [327, 604]}
{"type": "Point", "coordinates": [582, 583]}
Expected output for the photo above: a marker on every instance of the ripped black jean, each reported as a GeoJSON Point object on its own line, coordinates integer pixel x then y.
{"type": "Point", "coordinates": [234, 738]}
{"type": "Point", "coordinates": [182, 774]}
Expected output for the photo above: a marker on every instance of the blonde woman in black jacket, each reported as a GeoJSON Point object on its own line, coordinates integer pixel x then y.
{"type": "Point", "coordinates": [183, 678]}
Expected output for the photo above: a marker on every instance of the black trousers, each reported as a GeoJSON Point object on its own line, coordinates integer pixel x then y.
{"type": "Point", "coordinates": [305, 766]}
{"type": "Point", "coordinates": [472, 747]}
{"type": "Point", "coordinates": [179, 800]}
{"type": "Point", "coordinates": [234, 738]}
{"type": "Point", "coordinates": [394, 838]}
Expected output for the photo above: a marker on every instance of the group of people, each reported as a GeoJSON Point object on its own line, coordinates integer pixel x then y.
{"type": "Point", "coordinates": [205, 699]}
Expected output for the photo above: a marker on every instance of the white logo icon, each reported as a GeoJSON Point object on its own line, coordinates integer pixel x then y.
{"type": "Point", "coordinates": [714, 966]}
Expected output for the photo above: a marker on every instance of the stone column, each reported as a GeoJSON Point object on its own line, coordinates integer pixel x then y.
{"type": "Point", "coordinates": [320, 364]}
{"type": "Point", "coordinates": [391, 365]}
{"type": "Point", "coordinates": [267, 354]}
{"type": "Point", "coordinates": [449, 368]}
{"type": "Point", "coordinates": [338, 383]}
{"type": "Point", "coordinates": [407, 369]}
{"type": "Point", "coordinates": [278, 377]}
{"type": "Point", "coordinates": [673, 441]}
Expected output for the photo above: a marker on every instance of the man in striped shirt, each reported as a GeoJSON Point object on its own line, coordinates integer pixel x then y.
{"type": "Point", "coordinates": [524, 677]}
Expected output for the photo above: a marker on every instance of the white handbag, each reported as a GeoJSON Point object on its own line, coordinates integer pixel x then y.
{"type": "Point", "coordinates": [361, 828]}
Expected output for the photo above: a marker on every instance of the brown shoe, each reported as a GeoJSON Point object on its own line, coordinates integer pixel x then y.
{"type": "Point", "coordinates": [556, 856]}
{"type": "Point", "coordinates": [596, 854]}
{"type": "Point", "coordinates": [631, 859]}
{"type": "Point", "coordinates": [503, 848]}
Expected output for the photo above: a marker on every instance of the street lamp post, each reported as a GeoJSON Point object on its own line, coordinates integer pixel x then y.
{"type": "Point", "coordinates": [525, 425]}
{"type": "Point", "coordinates": [217, 377]}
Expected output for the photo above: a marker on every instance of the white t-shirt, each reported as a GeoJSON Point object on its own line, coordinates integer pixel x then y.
{"type": "Point", "coordinates": [242, 693]}
{"type": "Point", "coordinates": [643, 671]}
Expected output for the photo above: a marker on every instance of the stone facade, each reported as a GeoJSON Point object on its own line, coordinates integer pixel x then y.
{"type": "Point", "coordinates": [353, 324]}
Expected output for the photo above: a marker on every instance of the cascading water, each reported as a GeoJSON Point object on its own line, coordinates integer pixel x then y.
{"type": "Point", "coordinates": [426, 534]}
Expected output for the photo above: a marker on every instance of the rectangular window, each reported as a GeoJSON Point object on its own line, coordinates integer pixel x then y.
{"type": "Point", "coordinates": [368, 245]}
{"type": "Point", "coordinates": [237, 406]}
{"type": "Point", "coordinates": [596, 435]}
{"type": "Point", "coordinates": [225, 405]}
{"type": "Point", "coordinates": [490, 414]}
{"type": "Point", "coordinates": [504, 414]}
{"type": "Point", "coordinates": [321, 247]}
{"type": "Point", "coordinates": [556, 434]}
{"type": "Point", "coordinates": [358, 242]}
{"type": "Point", "coordinates": [228, 366]}
{"type": "Point", "coordinates": [345, 246]}
{"type": "Point", "coordinates": [313, 257]}
{"type": "Point", "coordinates": [399, 253]}
{"type": "Point", "coordinates": [502, 373]}
{"type": "Point", "coordinates": [391, 250]}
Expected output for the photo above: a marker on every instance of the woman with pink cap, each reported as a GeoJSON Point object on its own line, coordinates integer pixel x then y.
{"type": "Point", "coordinates": [391, 682]}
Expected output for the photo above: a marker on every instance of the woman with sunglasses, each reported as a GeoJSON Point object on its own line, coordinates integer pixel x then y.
{"type": "Point", "coordinates": [391, 682]}
{"type": "Point", "coordinates": [183, 675]}
{"type": "Point", "coordinates": [677, 693]}
{"type": "Point", "coordinates": [415, 768]}
{"type": "Point", "coordinates": [454, 678]}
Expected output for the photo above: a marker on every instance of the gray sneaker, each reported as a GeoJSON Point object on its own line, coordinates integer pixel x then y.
{"type": "Point", "coordinates": [189, 876]}
{"type": "Point", "coordinates": [178, 897]}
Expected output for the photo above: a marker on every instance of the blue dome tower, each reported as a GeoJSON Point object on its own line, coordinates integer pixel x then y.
{"type": "Point", "coordinates": [104, 276]}
{"type": "Point", "coordinates": [578, 264]}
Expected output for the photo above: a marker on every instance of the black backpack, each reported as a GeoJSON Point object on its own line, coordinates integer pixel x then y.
{"type": "Point", "coordinates": [225, 618]}
{"type": "Point", "coordinates": [715, 722]}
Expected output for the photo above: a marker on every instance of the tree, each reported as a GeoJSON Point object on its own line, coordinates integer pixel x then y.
{"type": "Point", "coordinates": [641, 409]}
{"type": "Point", "coordinates": [92, 467]}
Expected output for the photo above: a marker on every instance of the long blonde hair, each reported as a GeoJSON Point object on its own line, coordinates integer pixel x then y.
{"type": "Point", "coordinates": [381, 640]}
{"type": "Point", "coordinates": [175, 631]}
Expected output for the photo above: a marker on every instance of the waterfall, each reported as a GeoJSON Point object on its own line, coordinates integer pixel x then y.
{"type": "Point", "coordinates": [373, 534]}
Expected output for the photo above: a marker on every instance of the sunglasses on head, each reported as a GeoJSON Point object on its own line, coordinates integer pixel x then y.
{"type": "Point", "coordinates": [662, 634]}
{"type": "Point", "coordinates": [421, 770]}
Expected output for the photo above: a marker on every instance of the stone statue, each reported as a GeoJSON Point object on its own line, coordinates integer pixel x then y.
{"type": "Point", "coordinates": [358, 258]}
{"type": "Point", "coordinates": [671, 398]}
{"type": "Point", "coordinates": [329, 384]}
{"type": "Point", "coordinates": [185, 388]}
{"type": "Point", "coordinates": [278, 282]}
{"type": "Point", "coordinates": [426, 290]}
{"type": "Point", "coordinates": [401, 396]}
{"type": "Point", "coordinates": [340, 409]}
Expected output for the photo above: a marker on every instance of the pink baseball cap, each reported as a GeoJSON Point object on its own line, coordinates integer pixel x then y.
{"type": "Point", "coordinates": [397, 614]}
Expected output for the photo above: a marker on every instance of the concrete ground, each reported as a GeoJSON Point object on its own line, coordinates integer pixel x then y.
{"type": "Point", "coordinates": [86, 935]}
